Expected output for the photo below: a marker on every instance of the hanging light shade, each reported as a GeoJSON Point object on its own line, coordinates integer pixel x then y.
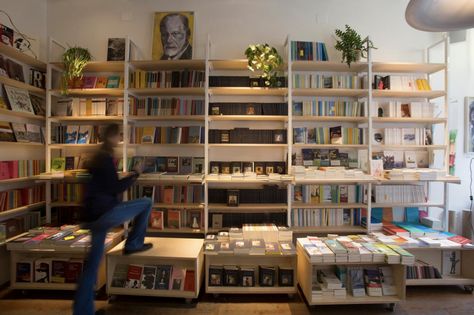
{"type": "Point", "coordinates": [440, 15]}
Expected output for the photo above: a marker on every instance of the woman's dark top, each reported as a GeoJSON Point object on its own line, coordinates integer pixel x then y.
{"type": "Point", "coordinates": [103, 189]}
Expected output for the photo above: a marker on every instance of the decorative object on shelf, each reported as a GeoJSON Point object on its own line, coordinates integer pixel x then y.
{"type": "Point", "coordinates": [173, 34]}
{"type": "Point", "coordinates": [116, 49]}
{"type": "Point", "coordinates": [15, 38]}
{"type": "Point", "coordinates": [74, 59]}
{"type": "Point", "coordinates": [452, 151]}
{"type": "Point", "coordinates": [352, 46]}
{"type": "Point", "coordinates": [469, 124]}
{"type": "Point", "coordinates": [267, 59]}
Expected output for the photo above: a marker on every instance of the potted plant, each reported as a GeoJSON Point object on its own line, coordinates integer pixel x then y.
{"type": "Point", "coordinates": [266, 59]}
{"type": "Point", "coordinates": [74, 60]}
{"type": "Point", "coordinates": [351, 44]}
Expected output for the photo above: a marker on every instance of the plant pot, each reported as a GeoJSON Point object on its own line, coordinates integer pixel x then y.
{"type": "Point", "coordinates": [358, 55]}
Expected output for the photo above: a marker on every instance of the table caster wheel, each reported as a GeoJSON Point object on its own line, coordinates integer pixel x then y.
{"type": "Point", "coordinates": [391, 307]}
{"type": "Point", "coordinates": [468, 288]}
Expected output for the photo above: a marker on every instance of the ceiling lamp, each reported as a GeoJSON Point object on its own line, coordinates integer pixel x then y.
{"type": "Point", "coordinates": [440, 15]}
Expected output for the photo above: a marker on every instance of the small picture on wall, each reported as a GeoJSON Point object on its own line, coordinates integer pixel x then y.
{"type": "Point", "coordinates": [173, 34]}
{"type": "Point", "coordinates": [116, 49]}
{"type": "Point", "coordinates": [469, 125]}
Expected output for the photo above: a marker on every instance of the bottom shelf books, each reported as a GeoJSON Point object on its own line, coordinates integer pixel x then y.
{"type": "Point", "coordinates": [49, 270]}
{"type": "Point", "coordinates": [355, 281]}
{"type": "Point", "coordinates": [250, 276]}
{"type": "Point", "coordinates": [153, 277]}
{"type": "Point", "coordinates": [423, 270]}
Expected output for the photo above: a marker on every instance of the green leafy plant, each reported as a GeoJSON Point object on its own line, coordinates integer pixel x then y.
{"type": "Point", "coordinates": [267, 59]}
{"type": "Point", "coordinates": [74, 60]}
{"type": "Point", "coordinates": [351, 44]}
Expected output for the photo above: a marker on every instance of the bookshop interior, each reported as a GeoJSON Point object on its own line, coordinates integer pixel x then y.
{"type": "Point", "coordinates": [236, 157]}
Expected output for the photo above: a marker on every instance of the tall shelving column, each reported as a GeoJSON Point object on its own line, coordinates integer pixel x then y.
{"type": "Point", "coordinates": [93, 68]}
{"type": "Point", "coordinates": [361, 95]}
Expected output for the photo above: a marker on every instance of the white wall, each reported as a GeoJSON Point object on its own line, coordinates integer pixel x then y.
{"type": "Point", "coordinates": [461, 84]}
{"type": "Point", "coordinates": [234, 24]}
{"type": "Point", "coordinates": [29, 17]}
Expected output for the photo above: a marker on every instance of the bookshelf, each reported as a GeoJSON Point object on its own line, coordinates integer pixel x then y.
{"type": "Point", "coordinates": [29, 214]}
{"type": "Point", "coordinates": [184, 253]}
{"type": "Point", "coordinates": [249, 151]}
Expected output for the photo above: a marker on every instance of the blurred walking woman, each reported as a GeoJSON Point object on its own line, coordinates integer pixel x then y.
{"type": "Point", "coordinates": [104, 210]}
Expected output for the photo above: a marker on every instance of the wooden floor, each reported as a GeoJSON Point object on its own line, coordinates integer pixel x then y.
{"type": "Point", "coordinates": [420, 301]}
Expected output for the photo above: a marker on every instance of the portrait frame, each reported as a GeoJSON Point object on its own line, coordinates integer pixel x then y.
{"type": "Point", "coordinates": [158, 51]}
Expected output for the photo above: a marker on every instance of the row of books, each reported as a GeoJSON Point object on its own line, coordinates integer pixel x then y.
{"type": "Point", "coordinates": [326, 81]}
{"type": "Point", "coordinates": [64, 237]}
{"type": "Point", "coordinates": [308, 51]}
{"type": "Point", "coordinates": [325, 217]}
{"type": "Point", "coordinates": [278, 109]}
{"type": "Point", "coordinates": [248, 247]}
{"type": "Point", "coordinates": [402, 109]}
{"type": "Point", "coordinates": [402, 136]}
{"type": "Point", "coordinates": [176, 219]}
{"type": "Point", "coordinates": [17, 132]}
{"type": "Point", "coordinates": [388, 215]}
{"type": "Point", "coordinates": [10, 68]}
{"type": "Point", "coordinates": [66, 192]}
{"type": "Point", "coordinates": [250, 276]}
{"type": "Point", "coordinates": [400, 83]}
{"type": "Point", "coordinates": [97, 82]}
{"type": "Point", "coordinates": [173, 135]}
{"type": "Point", "coordinates": [77, 134]}
{"type": "Point", "coordinates": [21, 168]}
{"type": "Point", "coordinates": [415, 173]}
{"type": "Point", "coordinates": [402, 159]}
{"type": "Point", "coordinates": [140, 79]}
{"type": "Point", "coordinates": [423, 270]}
{"type": "Point", "coordinates": [49, 270]}
{"type": "Point", "coordinates": [19, 224]}
{"type": "Point", "coordinates": [327, 194]}
{"type": "Point", "coordinates": [268, 194]}
{"type": "Point", "coordinates": [243, 81]}
{"type": "Point", "coordinates": [19, 100]}
{"type": "Point", "coordinates": [170, 164]}
{"type": "Point", "coordinates": [15, 198]}
{"type": "Point", "coordinates": [153, 277]}
{"type": "Point", "coordinates": [169, 194]}
{"type": "Point", "coordinates": [334, 172]}
{"type": "Point", "coordinates": [74, 107]}
{"type": "Point", "coordinates": [325, 107]}
{"type": "Point", "coordinates": [399, 194]}
{"type": "Point", "coordinates": [352, 248]}
{"type": "Point", "coordinates": [328, 135]}
{"type": "Point", "coordinates": [357, 281]}
{"type": "Point", "coordinates": [246, 135]}
{"type": "Point", "coordinates": [228, 220]}
{"type": "Point", "coordinates": [157, 106]}
{"type": "Point", "coordinates": [69, 163]}
{"type": "Point", "coordinates": [260, 167]}
{"type": "Point", "coordinates": [327, 157]}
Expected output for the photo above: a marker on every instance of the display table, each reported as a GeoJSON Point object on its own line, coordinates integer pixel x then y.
{"type": "Point", "coordinates": [305, 278]}
{"type": "Point", "coordinates": [179, 253]}
{"type": "Point", "coordinates": [52, 253]}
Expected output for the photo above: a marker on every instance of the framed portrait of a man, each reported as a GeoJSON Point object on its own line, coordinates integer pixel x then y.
{"type": "Point", "coordinates": [469, 125]}
{"type": "Point", "coordinates": [173, 35]}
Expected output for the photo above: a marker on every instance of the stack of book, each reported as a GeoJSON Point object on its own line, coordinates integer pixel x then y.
{"type": "Point", "coordinates": [157, 106]}
{"type": "Point", "coordinates": [400, 83]}
{"type": "Point", "coordinates": [153, 277]}
{"type": "Point", "coordinates": [17, 132]}
{"type": "Point", "coordinates": [403, 109]}
{"type": "Point", "coordinates": [75, 107]}
{"type": "Point", "coordinates": [165, 135]}
{"type": "Point", "coordinates": [402, 136]}
{"type": "Point", "coordinates": [327, 81]}
{"type": "Point", "coordinates": [308, 51]}
{"type": "Point", "coordinates": [253, 109]}
{"type": "Point", "coordinates": [166, 79]}
{"type": "Point", "coordinates": [328, 135]}
{"type": "Point", "coordinates": [246, 135]}
{"type": "Point", "coordinates": [15, 198]}
{"type": "Point", "coordinates": [329, 108]}
{"type": "Point", "coordinates": [65, 192]}
{"type": "Point", "coordinates": [399, 194]}
{"type": "Point", "coordinates": [21, 168]}
{"type": "Point", "coordinates": [169, 165]}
